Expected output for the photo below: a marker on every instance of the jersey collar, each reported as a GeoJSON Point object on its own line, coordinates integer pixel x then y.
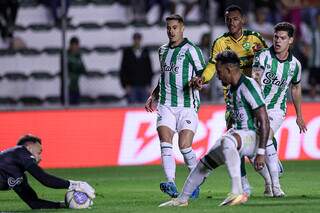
{"type": "Point", "coordinates": [236, 40]}
{"type": "Point", "coordinates": [273, 55]}
{"type": "Point", "coordinates": [185, 40]}
{"type": "Point", "coordinates": [241, 79]}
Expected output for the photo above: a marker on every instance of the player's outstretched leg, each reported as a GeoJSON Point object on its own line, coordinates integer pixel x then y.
{"type": "Point", "coordinates": [232, 161]}
{"type": "Point", "coordinates": [280, 166]}
{"type": "Point", "coordinates": [169, 167]}
{"type": "Point", "coordinates": [244, 180]}
{"type": "Point", "coordinates": [272, 163]}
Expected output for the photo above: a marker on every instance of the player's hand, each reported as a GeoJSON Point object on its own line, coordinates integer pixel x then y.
{"type": "Point", "coordinates": [82, 187]}
{"type": "Point", "coordinates": [150, 105]}
{"type": "Point", "coordinates": [196, 83]}
{"type": "Point", "coordinates": [301, 124]}
{"type": "Point", "coordinates": [256, 47]}
{"type": "Point", "coordinates": [259, 162]}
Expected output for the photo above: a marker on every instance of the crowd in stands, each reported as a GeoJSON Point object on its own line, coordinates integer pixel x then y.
{"type": "Point", "coordinates": [261, 16]}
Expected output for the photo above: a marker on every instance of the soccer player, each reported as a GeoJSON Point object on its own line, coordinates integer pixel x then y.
{"type": "Point", "coordinates": [245, 43]}
{"type": "Point", "coordinates": [24, 157]}
{"type": "Point", "coordinates": [178, 103]}
{"type": "Point", "coordinates": [276, 69]}
{"type": "Point", "coordinates": [240, 140]}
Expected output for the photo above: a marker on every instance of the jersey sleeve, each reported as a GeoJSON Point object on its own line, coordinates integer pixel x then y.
{"type": "Point", "coordinates": [258, 60]}
{"type": "Point", "coordinates": [210, 69]}
{"type": "Point", "coordinates": [253, 94]}
{"type": "Point", "coordinates": [297, 74]}
{"type": "Point", "coordinates": [47, 179]}
{"type": "Point", "coordinates": [197, 59]}
{"type": "Point", "coordinates": [259, 41]}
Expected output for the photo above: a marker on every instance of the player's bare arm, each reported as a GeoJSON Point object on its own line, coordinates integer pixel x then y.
{"type": "Point", "coordinates": [264, 128]}
{"type": "Point", "coordinates": [150, 105]}
{"type": "Point", "coordinates": [256, 74]}
{"type": "Point", "coordinates": [296, 99]}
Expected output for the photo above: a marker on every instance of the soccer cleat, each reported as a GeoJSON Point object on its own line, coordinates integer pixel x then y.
{"type": "Point", "coordinates": [173, 202]}
{"type": "Point", "coordinates": [234, 199]}
{"type": "Point", "coordinates": [277, 192]}
{"type": "Point", "coordinates": [246, 186]}
{"type": "Point", "coordinates": [169, 188]}
{"type": "Point", "coordinates": [268, 191]}
{"type": "Point", "coordinates": [195, 193]}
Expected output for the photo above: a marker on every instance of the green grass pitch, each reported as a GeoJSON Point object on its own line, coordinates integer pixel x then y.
{"type": "Point", "coordinates": [136, 189]}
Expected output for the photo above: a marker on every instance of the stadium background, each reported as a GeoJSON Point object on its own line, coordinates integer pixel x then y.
{"type": "Point", "coordinates": [103, 130]}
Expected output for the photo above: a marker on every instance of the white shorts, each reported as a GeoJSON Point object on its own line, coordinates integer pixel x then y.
{"type": "Point", "coordinates": [177, 118]}
{"type": "Point", "coordinates": [248, 145]}
{"type": "Point", "coordinates": [276, 118]}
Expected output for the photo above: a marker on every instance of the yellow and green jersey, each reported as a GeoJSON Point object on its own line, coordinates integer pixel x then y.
{"type": "Point", "coordinates": [245, 47]}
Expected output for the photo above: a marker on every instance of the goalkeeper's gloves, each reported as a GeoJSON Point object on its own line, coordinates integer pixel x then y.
{"type": "Point", "coordinates": [82, 187]}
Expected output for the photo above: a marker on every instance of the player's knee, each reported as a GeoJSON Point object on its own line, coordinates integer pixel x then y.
{"type": "Point", "coordinates": [229, 142]}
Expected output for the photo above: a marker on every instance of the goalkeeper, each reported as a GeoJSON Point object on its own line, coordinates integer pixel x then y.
{"type": "Point", "coordinates": [15, 161]}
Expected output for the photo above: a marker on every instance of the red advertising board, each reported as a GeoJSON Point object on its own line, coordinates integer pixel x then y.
{"type": "Point", "coordinates": [127, 136]}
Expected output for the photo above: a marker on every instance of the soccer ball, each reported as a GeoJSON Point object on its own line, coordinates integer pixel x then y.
{"type": "Point", "coordinates": [77, 200]}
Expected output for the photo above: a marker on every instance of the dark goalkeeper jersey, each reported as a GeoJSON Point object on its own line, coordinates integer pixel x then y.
{"type": "Point", "coordinates": [15, 161]}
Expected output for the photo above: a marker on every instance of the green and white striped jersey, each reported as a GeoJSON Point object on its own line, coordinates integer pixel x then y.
{"type": "Point", "coordinates": [246, 97]}
{"type": "Point", "coordinates": [178, 66]}
{"type": "Point", "coordinates": [276, 77]}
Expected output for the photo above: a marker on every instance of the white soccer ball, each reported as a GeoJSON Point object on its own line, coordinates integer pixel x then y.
{"type": "Point", "coordinates": [77, 200]}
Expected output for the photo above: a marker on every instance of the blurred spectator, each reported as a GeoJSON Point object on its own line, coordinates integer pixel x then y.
{"type": "Point", "coordinates": [138, 10]}
{"type": "Point", "coordinates": [272, 9]}
{"type": "Point", "coordinates": [290, 11]}
{"type": "Point", "coordinates": [188, 5]}
{"type": "Point", "coordinates": [136, 71]}
{"type": "Point", "coordinates": [163, 6]}
{"type": "Point", "coordinates": [312, 38]}
{"type": "Point", "coordinates": [56, 10]}
{"type": "Point", "coordinates": [75, 69]}
{"type": "Point", "coordinates": [8, 15]}
{"type": "Point", "coordinates": [261, 25]}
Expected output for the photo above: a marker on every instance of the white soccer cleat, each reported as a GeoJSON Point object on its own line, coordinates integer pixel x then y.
{"type": "Point", "coordinates": [277, 192]}
{"type": "Point", "coordinates": [268, 191]}
{"type": "Point", "coordinates": [245, 185]}
{"type": "Point", "coordinates": [173, 202]}
{"type": "Point", "coordinates": [234, 199]}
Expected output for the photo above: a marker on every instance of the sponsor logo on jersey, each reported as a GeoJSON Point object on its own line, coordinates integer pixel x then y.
{"type": "Point", "coordinates": [172, 68]}
{"type": "Point", "coordinates": [237, 115]}
{"type": "Point", "coordinates": [12, 182]}
{"type": "Point", "coordinates": [272, 78]}
{"type": "Point", "coordinates": [246, 45]}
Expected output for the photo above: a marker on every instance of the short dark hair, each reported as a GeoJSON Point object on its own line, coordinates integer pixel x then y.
{"type": "Point", "coordinates": [228, 57]}
{"type": "Point", "coordinates": [233, 7]}
{"type": "Point", "coordinates": [28, 138]}
{"type": "Point", "coordinates": [74, 40]}
{"type": "Point", "coordinates": [175, 17]}
{"type": "Point", "coordinates": [285, 26]}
